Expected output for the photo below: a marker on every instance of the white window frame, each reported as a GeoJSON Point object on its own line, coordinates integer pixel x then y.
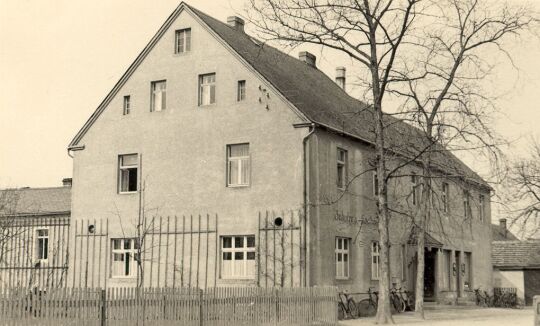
{"type": "Point", "coordinates": [42, 255]}
{"type": "Point", "coordinates": [155, 89]}
{"type": "Point", "coordinates": [131, 253]}
{"type": "Point", "coordinates": [127, 105]}
{"type": "Point", "coordinates": [244, 250]}
{"type": "Point", "coordinates": [342, 249]}
{"type": "Point", "coordinates": [445, 196]}
{"type": "Point", "coordinates": [341, 168]}
{"type": "Point", "coordinates": [207, 87]}
{"type": "Point", "coordinates": [241, 91]}
{"type": "Point", "coordinates": [375, 260]}
{"type": "Point", "coordinates": [184, 35]}
{"type": "Point", "coordinates": [121, 167]}
{"type": "Point", "coordinates": [240, 159]}
{"type": "Point", "coordinates": [481, 207]}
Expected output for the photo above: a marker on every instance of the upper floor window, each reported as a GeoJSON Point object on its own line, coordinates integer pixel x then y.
{"type": "Point", "coordinates": [238, 256]}
{"type": "Point", "coordinates": [481, 207]}
{"type": "Point", "coordinates": [238, 165]}
{"type": "Point", "coordinates": [375, 259]}
{"type": "Point", "coordinates": [42, 236]}
{"type": "Point", "coordinates": [127, 104]}
{"type": "Point", "coordinates": [158, 101]}
{"type": "Point", "coordinates": [207, 89]}
{"type": "Point", "coordinates": [341, 168]}
{"type": "Point", "coordinates": [124, 257]}
{"type": "Point", "coordinates": [445, 196]}
{"type": "Point", "coordinates": [466, 204]}
{"type": "Point", "coordinates": [342, 257]}
{"type": "Point", "coordinates": [241, 93]}
{"type": "Point", "coordinates": [182, 40]}
{"type": "Point", "coordinates": [128, 166]}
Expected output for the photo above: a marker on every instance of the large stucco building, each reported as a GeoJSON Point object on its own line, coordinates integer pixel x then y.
{"type": "Point", "coordinates": [210, 120]}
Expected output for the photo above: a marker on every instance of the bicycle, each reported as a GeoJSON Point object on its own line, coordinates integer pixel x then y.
{"type": "Point", "coordinates": [368, 307]}
{"type": "Point", "coordinates": [399, 304]}
{"type": "Point", "coordinates": [347, 306]}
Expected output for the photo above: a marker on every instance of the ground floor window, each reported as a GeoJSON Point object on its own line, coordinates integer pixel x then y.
{"type": "Point", "coordinates": [375, 259]}
{"type": "Point", "coordinates": [124, 257]}
{"type": "Point", "coordinates": [238, 256]}
{"type": "Point", "coordinates": [467, 272]}
{"type": "Point", "coordinates": [446, 269]}
{"type": "Point", "coordinates": [342, 257]}
{"type": "Point", "coordinates": [42, 244]}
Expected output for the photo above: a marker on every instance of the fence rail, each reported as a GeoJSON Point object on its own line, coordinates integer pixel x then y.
{"type": "Point", "coordinates": [168, 306]}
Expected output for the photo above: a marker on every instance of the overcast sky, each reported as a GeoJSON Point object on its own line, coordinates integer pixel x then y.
{"type": "Point", "coordinates": [60, 58]}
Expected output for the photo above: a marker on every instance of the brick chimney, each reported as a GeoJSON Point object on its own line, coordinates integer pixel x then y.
{"type": "Point", "coordinates": [67, 182]}
{"type": "Point", "coordinates": [340, 77]}
{"type": "Point", "coordinates": [502, 227]}
{"type": "Point", "coordinates": [308, 58]}
{"type": "Point", "coordinates": [236, 23]}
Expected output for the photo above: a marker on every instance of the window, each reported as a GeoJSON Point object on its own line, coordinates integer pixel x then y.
{"type": "Point", "coordinates": [341, 168]}
{"type": "Point", "coordinates": [467, 271]}
{"type": "Point", "coordinates": [238, 165]}
{"type": "Point", "coordinates": [238, 256]}
{"type": "Point", "coordinates": [481, 208]}
{"type": "Point", "coordinates": [182, 42]}
{"type": "Point", "coordinates": [403, 262]}
{"type": "Point", "coordinates": [414, 189]}
{"type": "Point", "coordinates": [241, 94]}
{"type": "Point", "coordinates": [375, 260]}
{"type": "Point", "coordinates": [466, 204]}
{"type": "Point", "coordinates": [446, 280]}
{"type": "Point", "coordinates": [444, 197]}
{"type": "Point", "coordinates": [128, 166]}
{"type": "Point", "coordinates": [375, 184]}
{"type": "Point", "coordinates": [42, 244]}
{"type": "Point", "coordinates": [207, 89]}
{"type": "Point", "coordinates": [127, 104]}
{"type": "Point", "coordinates": [124, 257]}
{"type": "Point", "coordinates": [158, 101]}
{"type": "Point", "coordinates": [342, 257]}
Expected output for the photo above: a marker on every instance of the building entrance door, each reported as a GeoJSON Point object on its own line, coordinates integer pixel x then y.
{"type": "Point", "coordinates": [429, 274]}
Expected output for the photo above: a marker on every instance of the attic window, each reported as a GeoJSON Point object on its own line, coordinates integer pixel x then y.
{"type": "Point", "coordinates": [182, 41]}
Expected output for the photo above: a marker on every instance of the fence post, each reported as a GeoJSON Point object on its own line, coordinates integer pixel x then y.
{"type": "Point", "coordinates": [201, 322]}
{"type": "Point", "coordinates": [103, 317]}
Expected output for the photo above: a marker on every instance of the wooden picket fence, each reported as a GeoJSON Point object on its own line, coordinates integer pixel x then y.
{"type": "Point", "coordinates": [169, 306]}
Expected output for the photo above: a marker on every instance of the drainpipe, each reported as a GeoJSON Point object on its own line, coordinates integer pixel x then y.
{"type": "Point", "coordinates": [306, 204]}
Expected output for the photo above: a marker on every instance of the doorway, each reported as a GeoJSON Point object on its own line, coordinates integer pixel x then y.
{"type": "Point", "coordinates": [429, 274]}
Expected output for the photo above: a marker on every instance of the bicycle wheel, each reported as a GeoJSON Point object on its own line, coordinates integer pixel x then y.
{"type": "Point", "coordinates": [341, 313]}
{"type": "Point", "coordinates": [353, 309]}
{"type": "Point", "coordinates": [366, 308]}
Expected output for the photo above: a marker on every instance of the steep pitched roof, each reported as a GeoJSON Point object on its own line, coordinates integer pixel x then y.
{"type": "Point", "coordinates": [309, 90]}
{"type": "Point", "coordinates": [516, 254]}
{"type": "Point", "coordinates": [498, 235]}
{"type": "Point", "coordinates": [35, 201]}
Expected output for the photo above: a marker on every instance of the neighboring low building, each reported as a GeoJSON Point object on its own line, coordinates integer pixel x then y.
{"type": "Point", "coordinates": [34, 228]}
{"type": "Point", "coordinates": [516, 264]}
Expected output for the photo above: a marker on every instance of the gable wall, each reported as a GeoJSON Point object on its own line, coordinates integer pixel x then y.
{"type": "Point", "coordinates": [184, 147]}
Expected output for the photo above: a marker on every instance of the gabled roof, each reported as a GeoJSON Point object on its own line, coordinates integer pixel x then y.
{"type": "Point", "coordinates": [516, 254]}
{"type": "Point", "coordinates": [498, 235]}
{"type": "Point", "coordinates": [309, 90]}
{"type": "Point", "coordinates": [35, 201]}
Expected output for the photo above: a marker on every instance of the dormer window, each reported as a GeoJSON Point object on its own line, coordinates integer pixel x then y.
{"type": "Point", "coordinates": [182, 42]}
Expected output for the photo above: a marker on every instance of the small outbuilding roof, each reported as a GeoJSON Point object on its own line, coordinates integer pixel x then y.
{"type": "Point", "coordinates": [516, 254]}
{"type": "Point", "coordinates": [35, 201]}
{"type": "Point", "coordinates": [499, 234]}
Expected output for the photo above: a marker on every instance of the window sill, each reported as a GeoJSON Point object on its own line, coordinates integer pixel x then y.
{"type": "Point", "coordinates": [181, 54]}
{"type": "Point", "coordinates": [238, 186]}
{"type": "Point", "coordinates": [128, 192]}
{"type": "Point", "coordinates": [207, 105]}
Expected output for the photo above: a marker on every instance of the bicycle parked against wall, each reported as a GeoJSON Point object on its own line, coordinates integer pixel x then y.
{"type": "Point", "coordinates": [397, 300]}
{"type": "Point", "coordinates": [368, 307]}
{"type": "Point", "coordinates": [347, 307]}
{"type": "Point", "coordinates": [483, 299]}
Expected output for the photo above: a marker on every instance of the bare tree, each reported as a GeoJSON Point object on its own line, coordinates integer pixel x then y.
{"type": "Point", "coordinates": [370, 33]}
{"type": "Point", "coordinates": [522, 192]}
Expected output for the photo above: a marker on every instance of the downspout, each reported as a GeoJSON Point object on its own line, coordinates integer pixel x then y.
{"type": "Point", "coordinates": [306, 204]}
